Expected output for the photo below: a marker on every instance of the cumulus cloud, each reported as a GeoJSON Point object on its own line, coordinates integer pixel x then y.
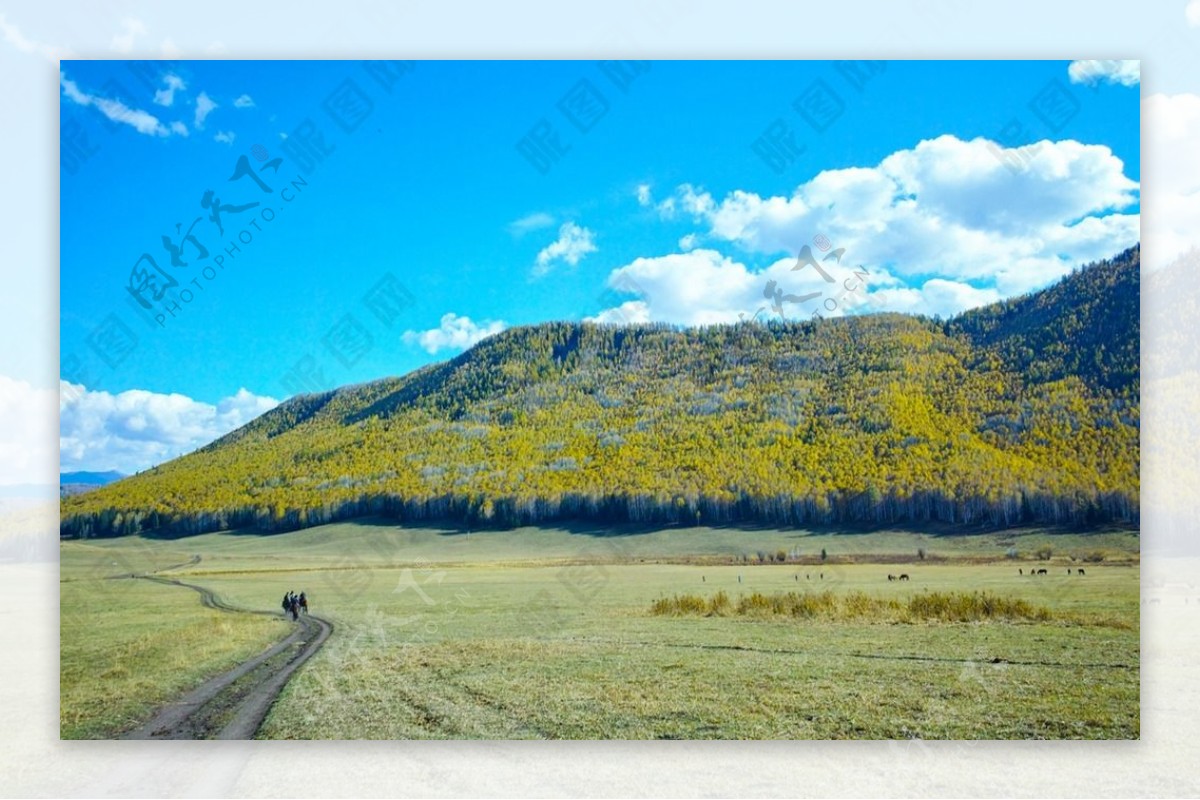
{"type": "Point", "coordinates": [226, 137]}
{"type": "Point", "coordinates": [573, 243]}
{"type": "Point", "coordinates": [1126, 73]}
{"type": "Point", "coordinates": [244, 101]}
{"type": "Point", "coordinates": [530, 222]}
{"type": "Point", "coordinates": [13, 36]}
{"type": "Point", "coordinates": [141, 121]}
{"type": "Point", "coordinates": [643, 194]}
{"type": "Point", "coordinates": [166, 96]}
{"type": "Point", "coordinates": [936, 296]}
{"type": "Point", "coordinates": [135, 429]}
{"type": "Point", "coordinates": [963, 210]}
{"type": "Point", "coordinates": [1171, 157]}
{"type": "Point", "coordinates": [27, 447]}
{"type": "Point", "coordinates": [131, 28]}
{"type": "Point", "coordinates": [628, 313]}
{"type": "Point", "coordinates": [454, 333]}
{"type": "Point", "coordinates": [204, 107]}
{"type": "Point", "coordinates": [1193, 12]}
{"type": "Point", "coordinates": [705, 287]}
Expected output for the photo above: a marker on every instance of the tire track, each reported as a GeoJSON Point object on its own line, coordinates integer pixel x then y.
{"type": "Point", "coordinates": [234, 704]}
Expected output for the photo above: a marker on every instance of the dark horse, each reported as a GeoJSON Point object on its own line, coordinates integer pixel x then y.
{"type": "Point", "coordinates": [903, 576]}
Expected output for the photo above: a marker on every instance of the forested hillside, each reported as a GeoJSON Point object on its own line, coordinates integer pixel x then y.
{"type": "Point", "coordinates": [1025, 411]}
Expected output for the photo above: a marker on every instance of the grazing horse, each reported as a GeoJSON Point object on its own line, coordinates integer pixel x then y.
{"type": "Point", "coordinates": [1080, 571]}
{"type": "Point", "coordinates": [891, 577]}
{"type": "Point", "coordinates": [1042, 571]}
{"type": "Point", "coordinates": [1020, 571]}
{"type": "Point", "coordinates": [903, 576]}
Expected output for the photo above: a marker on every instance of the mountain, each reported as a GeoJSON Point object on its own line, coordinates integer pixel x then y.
{"type": "Point", "coordinates": [70, 483]}
{"type": "Point", "coordinates": [1025, 411]}
{"type": "Point", "coordinates": [91, 478]}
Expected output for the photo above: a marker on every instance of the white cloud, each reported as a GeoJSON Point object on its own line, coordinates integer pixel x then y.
{"type": "Point", "coordinates": [530, 222]}
{"type": "Point", "coordinates": [131, 28]}
{"type": "Point", "coordinates": [225, 136]}
{"type": "Point", "coordinates": [1171, 158]}
{"type": "Point", "coordinates": [135, 429]}
{"type": "Point", "coordinates": [948, 208]}
{"type": "Point", "coordinates": [643, 194]}
{"type": "Point", "coordinates": [573, 244]}
{"type": "Point", "coordinates": [1193, 12]}
{"type": "Point", "coordinates": [937, 296]}
{"type": "Point", "coordinates": [141, 121]}
{"type": "Point", "coordinates": [704, 287]}
{"type": "Point", "coordinates": [1090, 72]}
{"type": "Point", "coordinates": [165, 97]}
{"type": "Point", "coordinates": [244, 101]}
{"type": "Point", "coordinates": [688, 242]}
{"type": "Point", "coordinates": [204, 107]}
{"type": "Point", "coordinates": [628, 313]}
{"type": "Point", "coordinates": [13, 36]}
{"type": "Point", "coordinates": [27, 447]}
{"type": "Point", "coordinates": [179, 128]}
{"type": "Point", "coordinates": [454, 333]}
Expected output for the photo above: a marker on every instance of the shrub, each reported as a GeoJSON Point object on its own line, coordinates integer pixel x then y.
{"type": "Point", "coordinates": [756, 603]}
{"type": "Point", "coordinates": [964, 607]}
{"type": "Point", "coordinates": [921, 553]}
{"type": "Point", "coordinates": [781, 555]}
{"type": "Point", "coordinates": [1043, 553]}
{"type": "Point", "coordinates": [855, 605]}
{"type": "Point", "coordinates": [719, 604]}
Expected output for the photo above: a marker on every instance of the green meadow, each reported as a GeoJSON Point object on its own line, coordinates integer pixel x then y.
{"type": "Point", "coordinates": [551, 633]}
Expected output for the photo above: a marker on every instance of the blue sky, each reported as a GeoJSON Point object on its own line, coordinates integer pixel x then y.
{"type": "Point", "coordinates": [417, 206]}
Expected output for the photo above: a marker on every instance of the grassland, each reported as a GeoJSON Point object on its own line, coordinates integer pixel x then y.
{"type": "Point", "coordinates": [549, 633]}
{"type": "Point", "coordinates": [128, 646]}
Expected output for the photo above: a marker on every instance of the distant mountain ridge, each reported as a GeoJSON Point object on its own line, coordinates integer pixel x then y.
{"type": "Point", "coordinates": [1023, 411]}
{"type": "Point", "coordinates": [93, 478]}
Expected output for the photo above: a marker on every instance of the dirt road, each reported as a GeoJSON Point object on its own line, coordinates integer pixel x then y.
{"type": "Point", "coordinates": [234, 704]}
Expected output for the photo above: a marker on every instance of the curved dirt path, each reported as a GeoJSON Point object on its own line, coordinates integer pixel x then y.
{"type": "Point", "coordinates": [234, 704]}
